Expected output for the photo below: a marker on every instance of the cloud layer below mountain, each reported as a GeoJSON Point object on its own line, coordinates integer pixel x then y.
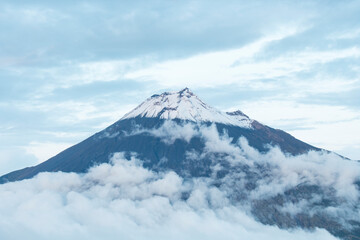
{"type": "Point", "coordinates": [122, 199]}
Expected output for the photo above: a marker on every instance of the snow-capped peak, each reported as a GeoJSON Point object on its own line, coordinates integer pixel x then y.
{"type": "Point", "coordinates": [185, 105]}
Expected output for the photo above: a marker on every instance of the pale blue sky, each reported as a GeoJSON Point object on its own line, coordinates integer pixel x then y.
{"type": "Point", "coordinates": [70, 68]}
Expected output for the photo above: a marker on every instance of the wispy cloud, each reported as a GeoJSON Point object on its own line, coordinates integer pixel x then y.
{"type": "Point", "coordinates": [348, 34]}
{"type": "Point", "coordinates": [327, 126]}
{"type": "Point", "coordinates": [240, 67]}
{"type": "Point", "coordinates": [32, 15]}
{"type": "Point", "coordinates": [45, 150]}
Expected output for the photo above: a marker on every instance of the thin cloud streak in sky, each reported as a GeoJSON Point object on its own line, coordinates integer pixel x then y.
{"type": "Point", "coordinates": [233, 68]}
{"type": "Point", "coordinates": [310, 122]}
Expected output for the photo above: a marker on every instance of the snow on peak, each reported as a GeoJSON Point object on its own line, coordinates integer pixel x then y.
{"type": "Point", "coordinates": [185, 105]}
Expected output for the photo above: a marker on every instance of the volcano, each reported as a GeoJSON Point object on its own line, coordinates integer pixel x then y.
{"type": "Point", "coordinates": [176, 131]}
{"type": "Point", "coordinates": [170, 107]}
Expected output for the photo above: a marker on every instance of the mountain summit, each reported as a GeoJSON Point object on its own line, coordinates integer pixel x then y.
{"type": "Point", "coordinates": [185, 105]}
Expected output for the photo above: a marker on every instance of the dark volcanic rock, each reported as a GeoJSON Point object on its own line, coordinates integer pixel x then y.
{"type": "Point", "coordinates": [118, 138]}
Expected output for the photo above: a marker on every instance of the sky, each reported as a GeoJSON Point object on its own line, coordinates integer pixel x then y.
{"type": "Point", "coordinates": [68, 69]}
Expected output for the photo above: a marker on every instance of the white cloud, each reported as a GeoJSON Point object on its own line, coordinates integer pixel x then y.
{"type": "Point", "coordinates": [321, 84]}
{"type": "Point", "coordinates": [275, 112]}
{"type": "Point", "coordinates": [99, 71]}
{"type": "Point", "coordinates": [319, 168]}
{"type": "Point", "coordinates": [170, 131]}
{"type": "Point", "coordinates": [45, 150]}
{"type": "Point", "coordinates": [347, 34]}
{"type": "Point", "coordinates": [206, 69]}
{"type": "Point", "coordinates": [14, 158]}
{"type": "Point", "coordinates": [148, 204]}
{"type": "Point", "coordinates": [74, 112]}
{"type": "Point", "coordinates": [240, 66]}
{"type": "Point", "coordinates": [124, 200]}
{"type": "Point", "coordinates": [335, 136]}
{"type": "Point", "coordinates": [33, 15]}
{"type": "Point", "coordinates": [327, 126]}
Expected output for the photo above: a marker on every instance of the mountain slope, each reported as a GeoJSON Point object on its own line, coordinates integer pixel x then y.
{"type": "Point", "coordinates": [98, 148]}
{"type": "Point", "coordinates": [180, 107]}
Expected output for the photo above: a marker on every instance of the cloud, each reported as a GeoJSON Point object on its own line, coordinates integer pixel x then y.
{"type": "Point", "coordinates": [74, 112]}
{"type": "Point", "coordinates": [316, 167]}
{"type": "Point", "coordinates": [321, 84]}
{"type": "Point", "coordinates": [347, 34]}
{"type": "Point", "coordinates": [171, 131]}
{"type": "Point", "coordinates": [14, 158]}
{"type": "Point", "coordinates": [241, 67]}
{"type": "Point", "coordinates": [45, 150]}
{"type": "Point", "coordinates": [276, 172]}
{"type": "Point", "coordinates": [32, 15]}
{"type": "Point", "coordinates": [205, 69]}
{"type": "Point", "coordinates": [88, 72]}
{"type": "Point", "coordinates": [321, 125]}
{"type": "Point", "coordinates": [73, 32]}
{"type": "Point", "coordinates": [124, 200]}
